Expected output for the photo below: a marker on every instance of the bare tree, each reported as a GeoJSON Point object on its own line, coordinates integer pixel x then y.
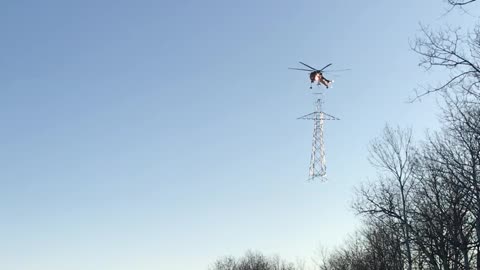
{"type": "Point", "coordinates": [393, 154]}
{"type": "Point", "coordinates": [462, 117]}
{"type": "Point", "coordinates": [373, 248]}
{"type": "Point", "coordinates": [352, 256]}
{"type": "Point", "coordinates": [320, 259]}
{"type": "Point", "coordinates": [457, 52]}
{"type": "Point", "coordinates": [443, 221]}
{"type": "Point", "coordinates": [383, 245]}
{"type": "Point", "coordinates": [450, 201]}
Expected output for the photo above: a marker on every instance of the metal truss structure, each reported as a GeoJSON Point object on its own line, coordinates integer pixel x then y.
{"type": "Point", "coordinates": [318, 168]}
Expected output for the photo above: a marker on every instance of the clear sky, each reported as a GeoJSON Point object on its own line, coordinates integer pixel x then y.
{"type": "Point", "coordinates": [163, 134]}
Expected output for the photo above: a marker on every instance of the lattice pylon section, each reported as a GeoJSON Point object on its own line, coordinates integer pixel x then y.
{"type": "Point", "coordinates": [318, 167]}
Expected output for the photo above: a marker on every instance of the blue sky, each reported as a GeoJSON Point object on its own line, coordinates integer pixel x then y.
{"type": "Point", "coordinates": [163, 134]}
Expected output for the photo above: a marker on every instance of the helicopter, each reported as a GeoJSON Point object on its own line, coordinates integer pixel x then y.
{"type": "Point", "coordinates": [316, 75]}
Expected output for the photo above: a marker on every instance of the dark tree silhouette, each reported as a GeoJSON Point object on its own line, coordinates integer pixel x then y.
{"type": "Point", "coordinates": [442, 217]}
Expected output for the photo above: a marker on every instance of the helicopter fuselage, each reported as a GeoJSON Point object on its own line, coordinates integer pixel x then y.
{"type": "Point", "coordinates": [316, 76]}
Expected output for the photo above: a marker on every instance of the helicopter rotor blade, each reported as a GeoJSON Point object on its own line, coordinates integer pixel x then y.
{"type": "Point", "coordinates": [337, 70]}
{"type": "Point", "coordinates": [303, 69]}
{"type": "Point", "coordinates": [325, 67]}
{"type": "Point", "coordinates": [308, 66]}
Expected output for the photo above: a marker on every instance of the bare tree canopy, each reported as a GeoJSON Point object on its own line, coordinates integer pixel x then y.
{"type": "Point", "coordinates": [457, 52]}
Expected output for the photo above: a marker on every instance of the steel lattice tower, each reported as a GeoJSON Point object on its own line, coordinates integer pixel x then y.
{"type": "Point", "coordinates": [318, 168]}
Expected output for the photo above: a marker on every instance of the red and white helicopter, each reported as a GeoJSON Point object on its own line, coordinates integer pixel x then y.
{"type": "Point", "coordinates": [316, 75]}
